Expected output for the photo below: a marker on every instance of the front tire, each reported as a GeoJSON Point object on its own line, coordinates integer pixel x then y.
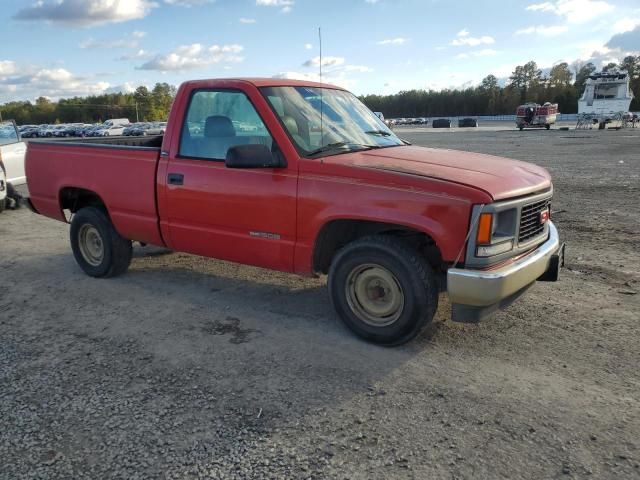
{"type": "Point", "coordinates": [97, 247]}
{"type": "Point", "coordinates": [383, 289]}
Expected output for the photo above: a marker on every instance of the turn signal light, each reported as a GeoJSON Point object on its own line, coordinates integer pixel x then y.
{"type": "Point", "coordinates": [484, 229]}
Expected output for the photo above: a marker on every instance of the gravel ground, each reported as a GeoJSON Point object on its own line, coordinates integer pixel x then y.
{"type": "Point", "coordinates": [194, 368]}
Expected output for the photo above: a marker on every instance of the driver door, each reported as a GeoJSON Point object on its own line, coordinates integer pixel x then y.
{"type": "Point", "coordinates": [242, 215]}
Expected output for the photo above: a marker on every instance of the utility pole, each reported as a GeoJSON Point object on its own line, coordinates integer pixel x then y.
{"type": "Point", "coordinates": [137, 119]}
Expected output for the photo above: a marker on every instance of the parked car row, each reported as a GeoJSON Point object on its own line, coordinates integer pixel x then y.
{"type": "Point", "coordinates": [112, 127]}
{"type": "Point", "coordinates": [409, 121]}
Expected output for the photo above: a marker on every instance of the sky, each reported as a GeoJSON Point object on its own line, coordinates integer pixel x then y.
{"type": "Point", "coordinates": [63, 48]}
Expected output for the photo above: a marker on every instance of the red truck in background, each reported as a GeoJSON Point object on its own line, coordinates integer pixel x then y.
{"type": "Point", "coordinates": [301, 177]}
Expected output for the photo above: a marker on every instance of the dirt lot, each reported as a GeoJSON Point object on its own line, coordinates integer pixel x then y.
{"type": "Point", "coordinates": [194, 368]}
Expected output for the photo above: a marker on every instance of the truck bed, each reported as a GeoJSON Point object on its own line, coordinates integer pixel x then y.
{"type": "Point", "coordinates": [120, 170]}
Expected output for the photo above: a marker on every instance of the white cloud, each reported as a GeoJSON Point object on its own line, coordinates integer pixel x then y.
{"type": "Point", "coordinates": [337, 71]}
{"type": "Point", "coordinates": [19, 82]}
{"type": "Point", "coordinates": [485, 52]}
{"type": "Point", "coordinates": [545, 31]}
{"type": "Point", "coordinates": [393, 41]}
{"type": "Point", "coordinates": [308, 46]}
{"type": "Point", "coordinates": [7, 67]}
{"type": "Point", "coordinates": [339, 79]}
{"type": "Point", "coordinates": [326, 62]}
{"type": "Point", "coordinates": [372, 1]}
{"type": "Point", "coordinates": [284, 5]}
{"type": "Point", "coordinates": [247, 21]}
{"type": "Point", "coordinates": [448, 79]}
{"type": "Point", "coordinates": [126, 87]}
{"type": "Point", "coordinates": [86, 12]}
{"type": "Point", "coordinates": [138, 55]}
{"type": "Point", "coordinates": [188, 3]}
{"type": "Point", "coordinates": [194, 56]}
{"type": "Point", "coordinates": [275, 3]}
{"type": "Point", "coordinates": [463, 38]}
{"type": "Point", "coordinates": [138, 34]}
{"type": "Point", "coordinates": [574, 11]}
{"type": "Point", "coordinates": [626, 25]}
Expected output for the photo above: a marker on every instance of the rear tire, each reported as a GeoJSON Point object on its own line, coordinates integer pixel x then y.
{"type": "Point", "coordinates": [97, 247]}
{"type": "Point", "coordinates": [383, 289]}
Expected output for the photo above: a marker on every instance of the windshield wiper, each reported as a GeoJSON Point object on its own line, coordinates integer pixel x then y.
{"type": "Point", "coordinates": [334, 146]}
{"type": "Point", "coordinates": [384, 133]}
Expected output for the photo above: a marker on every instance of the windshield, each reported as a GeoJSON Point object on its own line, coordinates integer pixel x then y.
{"type": "Point", "coordinates": [346, 123]}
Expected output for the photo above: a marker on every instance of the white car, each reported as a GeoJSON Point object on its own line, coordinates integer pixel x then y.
{"type": "Point", "coordinates": [112, 130]}
{"type": "Point", "coordinates": [12, 151]}
{"type": "Point", "coordinates": [157, 128]}
{"type": "Point", "coordinates": [3, 188]}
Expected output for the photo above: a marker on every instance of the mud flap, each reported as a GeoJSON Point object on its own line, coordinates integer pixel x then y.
{"type": "Point", "coordinates": [556, 262]}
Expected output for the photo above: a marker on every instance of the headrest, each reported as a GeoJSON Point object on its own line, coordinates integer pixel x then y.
{"type": "Point", "coordinates": [290, 124]}
{"type": "Point", "coordinates": [219, 126]}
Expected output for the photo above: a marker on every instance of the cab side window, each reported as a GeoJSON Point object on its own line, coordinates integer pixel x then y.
{"type": "Point", "coordinates": [219, 120]}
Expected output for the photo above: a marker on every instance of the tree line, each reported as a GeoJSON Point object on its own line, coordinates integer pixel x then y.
{"type": "Point", "coordinates": [142, 104]}
{"type": "Point", "coordinates": [527, 83]}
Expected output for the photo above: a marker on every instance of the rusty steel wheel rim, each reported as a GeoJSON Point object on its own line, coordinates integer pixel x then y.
{"type": "Point", "coordinates": [91, 245]}
{"type": "Point", "coordinates": [374, 294]}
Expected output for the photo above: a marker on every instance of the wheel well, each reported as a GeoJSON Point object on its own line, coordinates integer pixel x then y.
{"type": "Point", "coordinates": [338, 233]}
{"type": "Point", "coordinates": [73, 199]}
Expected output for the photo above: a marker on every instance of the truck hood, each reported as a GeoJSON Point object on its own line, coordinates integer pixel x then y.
{"type": "Point", "coordinates": [501, 178]}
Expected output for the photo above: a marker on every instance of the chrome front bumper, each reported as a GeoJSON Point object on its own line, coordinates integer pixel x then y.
{"type": "Point", "coordinates": [475, 294]}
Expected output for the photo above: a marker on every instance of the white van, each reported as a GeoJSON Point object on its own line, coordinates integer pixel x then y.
{"type": "Point", "coordinates": [116, 122]}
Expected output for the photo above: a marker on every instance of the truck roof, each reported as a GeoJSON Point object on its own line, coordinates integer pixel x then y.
{"type": "Point", "coordinates": [258, 82]}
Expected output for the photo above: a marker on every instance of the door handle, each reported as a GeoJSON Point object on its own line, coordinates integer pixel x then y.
{"type": "Point", "coordinates": [175, 179]}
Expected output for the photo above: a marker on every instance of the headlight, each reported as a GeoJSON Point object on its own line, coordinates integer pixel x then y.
{"type": "Point", "coordinates": [495, 233]}
{"type": "Point", "coordinates": [492, 250]}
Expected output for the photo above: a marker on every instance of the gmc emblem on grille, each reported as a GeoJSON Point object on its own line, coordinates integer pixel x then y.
{"type": "Point", "coordinates": [544, 216]}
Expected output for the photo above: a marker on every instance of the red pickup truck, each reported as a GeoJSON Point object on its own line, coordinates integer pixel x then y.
{"type": "Point", "coordinates": [301, 177]}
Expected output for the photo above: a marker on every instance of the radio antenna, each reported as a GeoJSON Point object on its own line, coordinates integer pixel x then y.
{"type": "Point", "coordinates": [321, 100]}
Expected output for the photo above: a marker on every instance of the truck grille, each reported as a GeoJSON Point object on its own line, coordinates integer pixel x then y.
{"type": "Point", "coordinates": [530, 226]}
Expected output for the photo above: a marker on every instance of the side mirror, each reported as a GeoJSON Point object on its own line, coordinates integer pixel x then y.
{"type": "Point", "coordinates": [251, 156]}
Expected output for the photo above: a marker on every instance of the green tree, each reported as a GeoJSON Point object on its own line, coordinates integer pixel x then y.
{"type": "Point", "coordinates": [560, 75]}
{"type": "Point", "coordinates": [526, 79]}
{"type": "Point", "coordinates": [162, 97]}
{"type": "Point", "coordinates": [582, 74]}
